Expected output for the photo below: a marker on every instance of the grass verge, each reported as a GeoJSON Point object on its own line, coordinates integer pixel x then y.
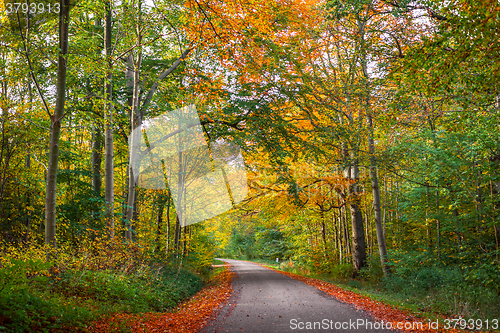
{"type": "Point", "coordinates": [106, 278]}
{"type": "Point", "coordinates": [71, 299]}
{"type": "Point", "coordinates": [190, 316]}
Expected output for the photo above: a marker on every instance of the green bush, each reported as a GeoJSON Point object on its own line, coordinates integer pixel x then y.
{"type": "Point", "coordinates": [342, 271]}
{"type": "Point", "coordinates": [25, 311]}
{"type": "Point", "coordinates": [31, 302]}
{"type": "Point", "coordinates": [146, 290]}
{"type": "Point", "coordinates": [372, 272]}
{"type": "Point", "coordinates": [16, 274]}
{"type": "Point", "coordinates": [449, 289]}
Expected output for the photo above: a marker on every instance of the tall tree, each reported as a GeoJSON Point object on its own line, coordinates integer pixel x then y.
{"type": "Point", "coordinates": [144, 26]}
{"type": "Point", "coordinates": [109, 191]}
{"type": "Point", "coordinates": [136, 118]}
{"type": "Point", "coordinates": [55, 126]}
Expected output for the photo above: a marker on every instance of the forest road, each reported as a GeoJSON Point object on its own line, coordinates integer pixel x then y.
{"type": "Point", "coordinates": [265, 301]}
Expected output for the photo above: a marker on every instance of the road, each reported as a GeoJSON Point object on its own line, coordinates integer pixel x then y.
{"type": "Point", "coordinates": [265, 301]}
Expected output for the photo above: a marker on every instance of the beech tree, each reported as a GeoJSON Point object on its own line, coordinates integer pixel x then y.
{"type": "Point", "coordinates": [109, 191]}
{"type": "Point", "coordinates": [55, 126]}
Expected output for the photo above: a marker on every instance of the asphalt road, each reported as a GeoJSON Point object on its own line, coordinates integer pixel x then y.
{"type": "Point", "coordinates": [265, 301]}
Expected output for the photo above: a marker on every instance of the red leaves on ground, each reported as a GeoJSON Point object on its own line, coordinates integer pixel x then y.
{"type": "Point", "coordinates": [379, 311]}
{"type": "Point", "coordinates": [189, 316]}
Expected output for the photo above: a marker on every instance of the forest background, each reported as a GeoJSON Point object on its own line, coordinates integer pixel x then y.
{"type": "Point", "coordinates": [369, 131]}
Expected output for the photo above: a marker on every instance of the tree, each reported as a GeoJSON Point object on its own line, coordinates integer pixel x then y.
{"type": "Point", "coordinates": [109, 191]}
{"type": "Point", "coordinates": [139, 110]}
{"type": "Point", "coordinates": [55, 126]}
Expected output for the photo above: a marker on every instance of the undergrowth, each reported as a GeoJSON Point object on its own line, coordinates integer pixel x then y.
{"type": "Point", "coordinates": [90, 283]}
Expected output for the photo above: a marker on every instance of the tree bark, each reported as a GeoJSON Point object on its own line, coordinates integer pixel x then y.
{"type": "Point", "coordinates": [129, 85]}
{"type": "Point", "coordinates": [96, 158]}
{"type": "Point", "coordinates": [358, 233]}
{"type": "Point", "coordinates": [55, 129]}
{"type": "Point", "coordinates": [109, 192]}
{"type": "Point", "coordinates": [340, 238]}
{"type": "Point", "coordinates": [135, 138]}
{"type": "Point", "coordinates": [159, 220]}
{"type": "Point", "coordinates": [177, 235]}
{"type": "Point", "coordinates": [382, 248]}
{"type": "Point", "coordinates": [167, 249]}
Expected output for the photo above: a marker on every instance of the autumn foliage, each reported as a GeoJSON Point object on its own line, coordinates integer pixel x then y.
{"type": "Point", "coordinates": [369, 130]}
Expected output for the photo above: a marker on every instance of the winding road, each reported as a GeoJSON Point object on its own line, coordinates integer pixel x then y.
{"type": "Point", "coordinates": [265, 301]}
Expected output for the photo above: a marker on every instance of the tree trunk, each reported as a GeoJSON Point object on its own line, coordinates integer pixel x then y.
{"type": "Point", "coordinates": [168, 225]}
{"type": "Point", "coordinates": [185, 241]}
{"type": "Point", "coordinates": [382, 249]}
{"type": "Point", "coordinates": [345, 230]}
{"type": "Point", "coordinates": [55, 128]}
{"type": "Point", "coordinates": [385, 204]}
{"type": "Point", "coordinates": [358, 234]}
{"type": "Point", "coordinates": [109, 191]}
{"type": "Point", "coordinates": [371, 148]}
{"type": "Point", "coordinates": [438, 227]}
{"type": "Point", "coordinates": [323, 233]}
{"type": "Point", "coordinates": [28, 203]}
{"type": "Point", "coordinates": [129, 87]}
{"type": "Point", "coordinates": [134, 146]}
{"type": "Point", "coordinates": [177, 235]}
{"type": "Point", "coordinates": [159, 220]}
{"type": "Point", "coordinates": [340, 228]}
{"type": "Point", "coordinates": [135, 136]}
{"type": "Point", "coordinates": [96, 158]}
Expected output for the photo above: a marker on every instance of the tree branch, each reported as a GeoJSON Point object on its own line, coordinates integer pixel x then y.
{"type": "Point", "coordinates": [164, 74]}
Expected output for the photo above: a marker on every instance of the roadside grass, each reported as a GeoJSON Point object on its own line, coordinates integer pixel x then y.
{"type": "Point", "coordinates": [266, 262]}
{"type": "Point", "coordinates": [73, 298]}
{"type": "Point", "coordinates": [189, 316]}
{"type": "Point", "coordinates": [218, 262]}
{"type": "Point", "coordinates": [69, 294]}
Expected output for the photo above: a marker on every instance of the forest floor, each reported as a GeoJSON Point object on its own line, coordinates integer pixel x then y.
{"type": "Point", "coordinates": [190, 316]}
{"type": "Point", "coordinates": [141, 300]}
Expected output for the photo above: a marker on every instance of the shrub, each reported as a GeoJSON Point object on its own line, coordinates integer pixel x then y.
{"type": "Point", "coordinates": [99, 278]}
{"type": "Point", "coordinates": [342, 271]}
{"type": "Point", "coordinates": [372, 272]}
